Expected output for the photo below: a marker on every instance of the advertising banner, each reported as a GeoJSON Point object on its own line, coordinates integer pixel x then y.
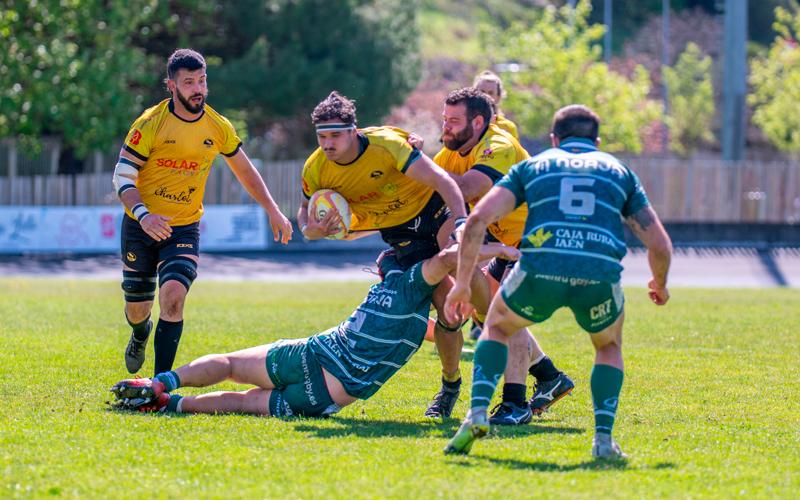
{"type": "Point", "coordinates": [25, 229]}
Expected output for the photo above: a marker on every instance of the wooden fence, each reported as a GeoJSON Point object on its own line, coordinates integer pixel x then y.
{"type": "Point", "coordinates": [681, 191]}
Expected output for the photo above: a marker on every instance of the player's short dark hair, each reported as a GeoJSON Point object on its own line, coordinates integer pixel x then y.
{"type": "Point", "coordinates": [477, 102]}
{"type": "Point", "coordinates": [335, 107]}
{"type": "Point", "coordinates": [576, 120]}
{"type": "Point", "coordinates": [184, 59]}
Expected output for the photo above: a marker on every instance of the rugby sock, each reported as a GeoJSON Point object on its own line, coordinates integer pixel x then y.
{"type": "Point", "coordinates": [489, 365]}
{"type": "Point", "coordinates": [606, 385]}
{"type": "Point", "coordinates": [168, 334]}
{"type": "Point", "coordinates": [514, 393]}
{"type": "Point", "coordinates": [174, 404]}
{"type": "Point", "coordinates": [140, 330]}
{"type": "Point", "coordinates": [544, 370]}
{"type": "Point", "coordinates": [170, 379]}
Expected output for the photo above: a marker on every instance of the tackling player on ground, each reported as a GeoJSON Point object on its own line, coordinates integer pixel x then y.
{"type": "Point", "coordinates": [160, 178]}
{"type": "Point", "coordinates": [577, 198]}
{"type": "Point", "coordinates": [317, 375]}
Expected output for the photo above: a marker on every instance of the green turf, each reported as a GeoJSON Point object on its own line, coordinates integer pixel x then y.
{"type": "Point", "coordinates": [710, 406]}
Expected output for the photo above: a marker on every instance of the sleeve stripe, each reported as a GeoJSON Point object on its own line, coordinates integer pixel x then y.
{"type": "Point", "coordinates": [125, 188]}
{"type": "Point", "coordinates": [134, 153]}
{"type": "Point", "coordinates": [133, 164]}
{"type": "Point", "coordinates": [414, 156]}
{"type": "Point", "coordinates": [236, 150]}
{"type": "Point", "coordinates": [489, 172]}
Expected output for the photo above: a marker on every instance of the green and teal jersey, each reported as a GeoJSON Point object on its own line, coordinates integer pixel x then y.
{"type": "Point", "coordinates": [577, 197]}
{"type": "Point", "coordinates": [381, 335]}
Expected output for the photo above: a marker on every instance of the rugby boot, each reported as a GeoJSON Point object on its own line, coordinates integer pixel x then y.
{"type": "Point", "coordinates": [603, 447]}
{"type": "Point", "coordinates": [443, 403]}
{"type": "Point", "coordinates": [134, 393]}
{"type": "Point", "coordinates": [508, 413]}
{"type": "Point", "coordinates": [134, 353]}
{"type": "Point", "coordinates": [157, 405]}
{"type": "Point", "coordinates": [474, 427]}
{"type": "Point", "coordinates": [547, 393]}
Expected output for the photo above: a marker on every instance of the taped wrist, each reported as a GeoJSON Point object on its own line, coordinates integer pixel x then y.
{"type": "Point", "coordinates": [140, 211]}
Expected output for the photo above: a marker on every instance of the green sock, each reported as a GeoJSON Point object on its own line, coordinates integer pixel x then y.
{"type": "Point", "coordinates": [606, 385]}
{"type": "Point", "coordinates": [174, 402]}
{"type": "Point", "coordinates": [489, 365]}
{"type": "Point", "coordinates": [170, 380]}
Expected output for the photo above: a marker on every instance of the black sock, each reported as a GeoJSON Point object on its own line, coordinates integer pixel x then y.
{"type": "Point", "coordinates": [140, 330]}
{"type": "Point", "coordinates": [452, 386]}
{"type": "Point", "coordinates": [544, 370]}
{"type": "Point", "coordinates": [514, 393]}
{"type": "Point", "coordinates": [168, 334]}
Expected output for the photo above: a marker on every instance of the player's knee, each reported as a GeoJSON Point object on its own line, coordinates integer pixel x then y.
{"type": "Point", "coordinates": [179, 269]}
{"type": "Point", "coordinates": [138, 286]}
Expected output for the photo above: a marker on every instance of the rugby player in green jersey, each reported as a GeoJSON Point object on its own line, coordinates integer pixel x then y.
{"type": "Point", "coordinates": [317, 375]}
{"type": "Point", "coordinates": [577, 199]}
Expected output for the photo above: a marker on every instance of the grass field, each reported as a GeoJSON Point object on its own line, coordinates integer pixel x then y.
{"type": "Point", "coordinates": [710, 406]}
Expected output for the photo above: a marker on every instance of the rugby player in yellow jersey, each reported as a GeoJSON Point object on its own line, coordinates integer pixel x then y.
{"type": "Point", "coordinates": [390, 186]}
{"type": "Point", "coordinates": [476, 154]}
{"type": "Point", "coordinates": [160, 178]}
{"type": "Point", "coordinates": [491, 84]}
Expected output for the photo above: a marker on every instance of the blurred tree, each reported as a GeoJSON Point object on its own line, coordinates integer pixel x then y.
{"type": "Point", "coordinates": [558, 59]}
{"type": "Point", "coordinates": [691, 98]}
{"type": "Point", "coordinates": [68, 68]}
{"type": "Point", "coordinates": [775, 80]}
{"type": "Point", "coordinates": [297, 51]}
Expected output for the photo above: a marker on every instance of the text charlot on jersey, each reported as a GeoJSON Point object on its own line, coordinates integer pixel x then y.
{"type": "Point", "coordinates": [177, 156]}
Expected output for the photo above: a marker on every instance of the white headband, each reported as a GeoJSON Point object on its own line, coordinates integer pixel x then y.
{"type": "Point", "coordinates": [326, 127]}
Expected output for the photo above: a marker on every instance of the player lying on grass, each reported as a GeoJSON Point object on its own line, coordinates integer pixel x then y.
{"type": "Point", "coordinates": [317, 375]}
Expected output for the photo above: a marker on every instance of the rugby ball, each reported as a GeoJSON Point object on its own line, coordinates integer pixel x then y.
{"type": "Point", "coordinates": [322, 201]}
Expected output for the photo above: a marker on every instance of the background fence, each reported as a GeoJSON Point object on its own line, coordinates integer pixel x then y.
{"type": "Point", "coordinates": [680, 190]}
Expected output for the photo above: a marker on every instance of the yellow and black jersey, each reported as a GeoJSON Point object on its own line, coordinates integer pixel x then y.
{"type": "Point", "coordinates": [177, 156]}
{"type": "Point", "coordinates": [375, 185]}
{"type": "Point", "coordinates": [507, 125]}
{"type": "Point", "coordinates": [493, 156]}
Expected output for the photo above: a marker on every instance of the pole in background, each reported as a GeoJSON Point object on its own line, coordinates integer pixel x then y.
{"type": "Point", "coordinates": [664, 63]}
{"type": "Point", "coordinates": [607, 19]}
{"type": "Point", "coordinates": [734, 80]}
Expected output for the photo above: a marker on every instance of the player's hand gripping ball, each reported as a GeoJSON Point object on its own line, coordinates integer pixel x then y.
{"type": "Point", "coordinates": [321, 203]}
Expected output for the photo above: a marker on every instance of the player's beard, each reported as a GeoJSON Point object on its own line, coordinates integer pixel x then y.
{"type": "Point", "coordinates": [191, 108]}
{"type": "Point", "coordinates": [455, 141]}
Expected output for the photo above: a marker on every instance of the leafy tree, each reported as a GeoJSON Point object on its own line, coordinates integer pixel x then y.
{"type": "Point", "coordinates": [691, 98]}
{"type": "Point", "coordinates": [68, 68]}
{"type": "Point", "coordinates": [559, 64]}
{"type": "Point", "coordinates": [775, 81]}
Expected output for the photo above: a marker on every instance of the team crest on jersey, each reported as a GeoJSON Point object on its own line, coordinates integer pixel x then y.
{"type": "Point", "coordinates": [131, 257]}
{"type": "Point", "coordinates": [376, 174]}
{"type": "Point", "coordinates": [136, 137]}
{"type": "Point", "coordinates": [208, 143]}
{"type": "Point", "coordinates": [389, 189]}
{"type": "Point", "coordinates": [488, 153]}
{"type": "Point", "coordinates": [539, 238]}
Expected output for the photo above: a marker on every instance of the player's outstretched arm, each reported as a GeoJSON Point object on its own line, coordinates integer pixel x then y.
{"type": "Point", "coordinates": [125, 174]}
{"type": "Point", "coordinates": [648, 228]}
{"type": "Point", "coordinates": [497, 203]}
{"type": "Point", "coordinates": [440, 265]}
{"type": "Point", "coordinates": [248, 176]}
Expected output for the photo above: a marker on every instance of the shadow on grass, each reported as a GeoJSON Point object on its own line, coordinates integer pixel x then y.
{"type": "Point", "coordinates": [594, 464]}
{"type": "Point", "coordinates": [339, 427]}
